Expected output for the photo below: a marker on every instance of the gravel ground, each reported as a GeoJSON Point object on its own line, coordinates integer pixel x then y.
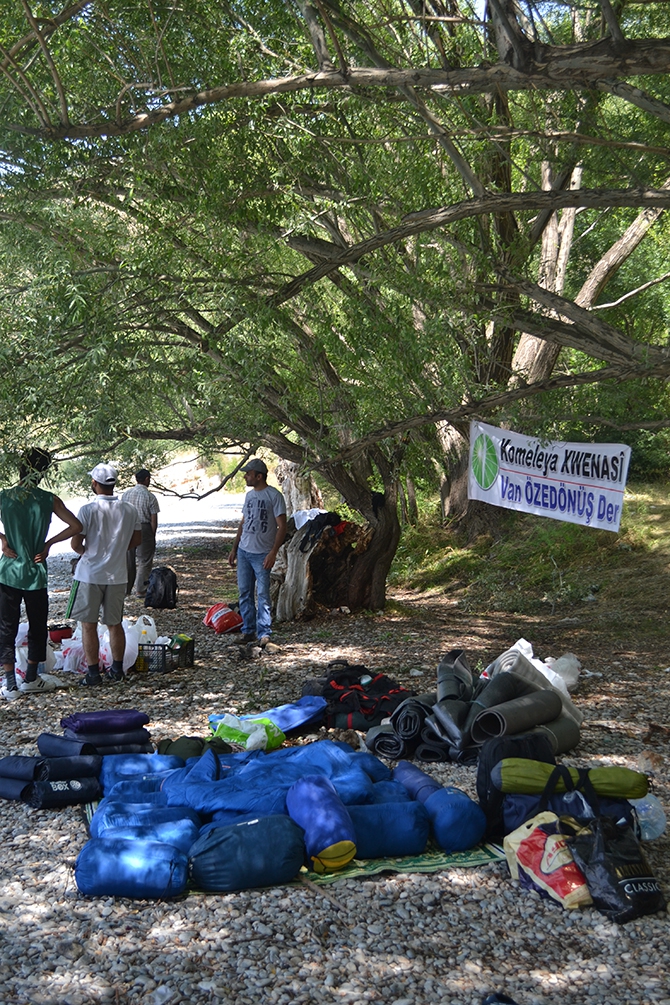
{"type": "Point", "coordinates": [450, 937]}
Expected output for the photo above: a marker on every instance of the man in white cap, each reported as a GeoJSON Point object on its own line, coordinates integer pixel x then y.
{"type": "Point", "coordinates": [110, 528]}
{"type": "Point", "coordinates": [260, 535]}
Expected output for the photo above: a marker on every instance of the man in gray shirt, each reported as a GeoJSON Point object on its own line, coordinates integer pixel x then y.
{"type": "Point", "coordinates": [140, 560]}
{"type": "Point", "coordinates": [260, 535]}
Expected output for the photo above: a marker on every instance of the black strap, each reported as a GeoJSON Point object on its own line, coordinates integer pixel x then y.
{"type": "Point", "coordinates": [560, 771]}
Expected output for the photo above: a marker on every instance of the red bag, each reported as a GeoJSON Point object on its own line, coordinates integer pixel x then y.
{"type": "Point", "coordinates": [222, 619]}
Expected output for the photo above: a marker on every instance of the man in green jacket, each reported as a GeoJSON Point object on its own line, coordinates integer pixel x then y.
{"type": "Point", "coordinates": [26, 513]}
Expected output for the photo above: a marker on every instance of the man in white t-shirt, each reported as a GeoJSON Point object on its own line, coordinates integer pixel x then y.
{"type": "Point", "coordinates": [260, 535]}
{"type": "Point", "coordinates": [111, 527]}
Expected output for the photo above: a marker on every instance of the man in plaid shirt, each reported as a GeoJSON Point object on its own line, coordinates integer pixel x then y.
{"type": "Point", "coordinates": [141, 559]}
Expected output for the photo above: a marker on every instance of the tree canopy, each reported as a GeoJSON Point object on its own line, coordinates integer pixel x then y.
{"type": "Point", "coordinates": [335, 229]}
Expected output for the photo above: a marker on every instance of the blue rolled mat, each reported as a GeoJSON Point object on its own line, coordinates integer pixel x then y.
{"type": "Point", "coordinates": [314, 805]}
{"type": "Point", "coordinates": [419, 785]}
{"type": "Point", "coordinates": [107, 739]}
{"type": "Point", "coordinates": [19, 766]}
{"type": "Point", "coordinates": [118, 767]}
{"type": "Point", "coordinates": [12, 788]}
{"type": "Point", "coordinates": [179, 833]}
{"type": "Point", "coordinates": [390, 830]}
{"type": "Point", "coordinates": [129, 868]}
{"type": "Point", "coordinates": [115, 814]}
{"type": "Point", "coordinates": [71, 792]}
{"type": "Point", "coordinates": [124, 748]}
{"type": "Point", "coordinates": [53, 745]}
{"type": "Point", "coordinates": [113, 720]}
{"type": "Point", "coordinates": [244, 856]}
{"type": "Point", "coordinates": [458, 822]}
{"type": "Point", "coordinates": [60, 769]}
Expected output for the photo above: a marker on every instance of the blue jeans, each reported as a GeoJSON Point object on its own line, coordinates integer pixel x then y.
{"type": "Point", "coordinates": [256, 614]}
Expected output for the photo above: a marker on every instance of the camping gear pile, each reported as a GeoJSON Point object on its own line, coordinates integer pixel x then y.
{"type": "Point", "coordinates": [452, 723]}
{"type": "Point", "coordinates": [231, 813]}
{"type": "Point", "coordinates": [248, 819]}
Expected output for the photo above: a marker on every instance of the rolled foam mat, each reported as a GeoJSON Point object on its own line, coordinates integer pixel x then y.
{"type": "Point", "coordinates": [563, 732]}
{"type": "Point", "coordinates": [385, 742]}
{"type": "Point", "coordinates": [53, 745]}
{"type": "Point", "coordinates": [28, 769]}
{"type": "Point", "coordinates": [517, 716]}
{"type": "Point", "coordinates": [408, 718]}
{"type": "Point", "coordinates": [50, 795]}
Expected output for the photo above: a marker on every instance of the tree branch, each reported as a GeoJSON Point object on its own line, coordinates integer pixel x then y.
{"type": "Point", "coordinates": [582, 66]}
{"type": "Point", "coordinates": [479, 408]}
{"type": "Point", "coordinates": [632, 293]}
{"type": "Point", "coordinates": [434, 219]}
{"type": "Point", "coordinates": [611, 21]}
{"type": "Point", "coordinates": [58, 84]}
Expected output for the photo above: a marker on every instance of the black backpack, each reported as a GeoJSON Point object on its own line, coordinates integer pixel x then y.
{"type": "Point", "coordinates": [162, 588]}
{"type": "Point", "coordinates": [533, 746]}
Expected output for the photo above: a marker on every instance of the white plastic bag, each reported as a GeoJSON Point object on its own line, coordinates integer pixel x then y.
{"type": "Point", "coordinates": [130, 652]}
{"type": "Point", "coordinates": [74, 660]}
{"type": "Point", "coordinates": [567, 667]}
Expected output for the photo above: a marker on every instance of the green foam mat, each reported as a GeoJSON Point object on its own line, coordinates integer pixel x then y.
{"type": "Point", "coordinates": [433, 860]}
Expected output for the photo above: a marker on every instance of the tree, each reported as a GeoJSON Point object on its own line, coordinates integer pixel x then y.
{"type": "Point", "coordinates": [320, 226]}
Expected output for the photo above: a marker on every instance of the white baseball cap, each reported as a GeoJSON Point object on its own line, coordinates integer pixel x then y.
{"type": "Point", "coordinates": [104, 474]}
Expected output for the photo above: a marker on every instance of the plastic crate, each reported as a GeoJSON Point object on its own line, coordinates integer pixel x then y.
{"type": "Point", "coordinates": [158, 658]}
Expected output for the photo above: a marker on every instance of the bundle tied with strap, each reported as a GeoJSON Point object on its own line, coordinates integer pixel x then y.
{"type": "Point", "coordinates": [358, 698]}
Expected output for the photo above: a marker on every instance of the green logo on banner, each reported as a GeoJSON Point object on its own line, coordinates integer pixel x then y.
{"type": "Point", "coordinates": [484, 461]}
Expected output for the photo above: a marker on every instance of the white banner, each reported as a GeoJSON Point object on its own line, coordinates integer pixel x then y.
{"type": "Point", "coordinates": [578, 482]}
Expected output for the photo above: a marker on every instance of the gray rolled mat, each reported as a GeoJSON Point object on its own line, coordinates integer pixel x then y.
{"type": "Point", "coordinates": [454, 677]}
{"type": "Point", "coordinates": [517, 716]}
{"type": "Point", "coordinates": [432, 753]}
{"type": "Point", "coordinates": [451, 715]}
{"type": "Point", "coordinates": [515, 662]}
{"type": "Point", "coordinates": [563, 733]}
{"type": "Point", "coordinates": [505, 687]}
{"type": "Point", "coordinates": [408, 718]}
{"type": "Point", "coordinates": [383, 741]}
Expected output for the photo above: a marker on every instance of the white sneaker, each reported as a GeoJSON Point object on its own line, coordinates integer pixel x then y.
{"type": "Point", "coordinates": [9, 693]}
{"type": "Point", "coordinates": [39, 686]}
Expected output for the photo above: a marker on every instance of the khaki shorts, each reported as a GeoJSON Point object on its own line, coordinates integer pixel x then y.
{"type": "Point", "coordinates": [86, 599]}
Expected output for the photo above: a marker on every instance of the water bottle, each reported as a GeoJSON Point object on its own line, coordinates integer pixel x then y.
{"type": "Point", "coordinates": [142, 662]}
{"type": "Point", "coordinates": [650, 815]}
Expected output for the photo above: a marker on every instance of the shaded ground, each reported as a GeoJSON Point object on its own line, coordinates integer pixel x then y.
{"type": "Point", "coordinates": [451, 937]}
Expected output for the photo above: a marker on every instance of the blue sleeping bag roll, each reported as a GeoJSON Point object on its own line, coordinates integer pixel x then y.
{"type": "Point", "coordinates": [330, 838]}
{"type": "Point", "coordinates": [116, 814]}
{"type": "Point", "coordinates": [117, 767]}
{"type": "Point", "coordinates": [390, 830]}
{"type": "Point", "coordinates": [372, 766]}
{"type": "Point", "coordinates": [129, 868]}
{"type": "Point", "coordinates": [264, 852]}
{"type": "Point", "coordinates": [389, 792]}
{"type": "Point", "coordinates": [180, 834]}
{"type": "Point", "coordinates": [419, 785]}
{"type": "Point", "coordinates": [458, 822]}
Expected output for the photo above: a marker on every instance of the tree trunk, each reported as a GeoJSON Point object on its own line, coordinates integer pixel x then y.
{"type": "Point", "coordinates": [300, 491]}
